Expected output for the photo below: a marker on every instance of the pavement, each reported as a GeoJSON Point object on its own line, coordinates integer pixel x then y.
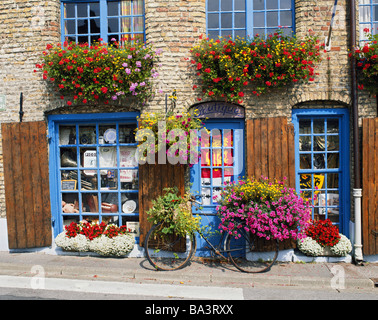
{"type": "Point", "coordinates": [201, 272]}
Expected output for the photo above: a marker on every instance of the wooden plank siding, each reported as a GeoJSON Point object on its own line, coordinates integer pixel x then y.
{"type": "Point", "coordinates": [153, 178]}
{"type": "Point", "coordinates": [27, 197]}
{"type": "Point", "coordinates": [270, 149]}
{"type": "Point", "coordinates": [370, 186]}
{"type": "Point", "coordinates": [270, 153]}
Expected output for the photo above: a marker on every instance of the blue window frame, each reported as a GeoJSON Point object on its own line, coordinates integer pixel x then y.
{"type": "Point", "coordinates": [368, 17]}
{"type": "Point", "coordinates": [222, 160]}
{"type": "Point", "coordinates": [249, 17]}
{"type": "Point", "coordinates": [322, 162]}
{"type": "Point", "coordinates": [93, 170]}
{"type": "Point", "coordinates": [85, 21]}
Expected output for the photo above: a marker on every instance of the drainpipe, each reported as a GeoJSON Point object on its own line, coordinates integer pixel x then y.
{"type": "Point", "coordinates": [357, 191]}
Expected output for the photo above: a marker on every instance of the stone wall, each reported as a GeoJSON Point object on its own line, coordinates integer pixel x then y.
{"type": "Point", "coordinates": [173, 26]}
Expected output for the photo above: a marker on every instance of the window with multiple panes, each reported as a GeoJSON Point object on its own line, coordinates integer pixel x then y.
{"type": "Point", "coordinates": [87, 21]}
{"type": "Point", "coordinates": [368, 17]}
{"type": "Point", "coordinates": [248, 17]}
{"type": "Point", "coordinates": [322, 162]}
{"type": "Point", "coordinates": [95, 169]}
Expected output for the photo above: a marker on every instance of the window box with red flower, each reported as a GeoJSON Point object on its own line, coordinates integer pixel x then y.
{"type": "Point", "coordinates": [100, 72]}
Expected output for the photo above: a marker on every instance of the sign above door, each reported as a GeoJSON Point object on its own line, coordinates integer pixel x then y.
{"type": "Point", "coordinates": [217, 109]}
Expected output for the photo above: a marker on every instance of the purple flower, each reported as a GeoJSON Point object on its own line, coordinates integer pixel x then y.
{"type": "Point", "coordinates": [133, 86]}
{"type": "Point", "coordinates": [129, 56]}
{"type": "Point", "coordinates": [125, 65]}
{"type": "Point", "coordinates": [138, 64]}
{"type": "Point", "coordinates": [127, 70]}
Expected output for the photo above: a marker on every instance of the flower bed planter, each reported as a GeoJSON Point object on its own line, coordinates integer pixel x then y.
{"type": "Point", "coordinates": [105, 240]}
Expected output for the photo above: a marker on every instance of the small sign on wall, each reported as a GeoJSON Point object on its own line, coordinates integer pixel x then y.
{"type": "Point", "coordinates": [2, 102]}
{"type": "Point", "coordinates": [218, 109]}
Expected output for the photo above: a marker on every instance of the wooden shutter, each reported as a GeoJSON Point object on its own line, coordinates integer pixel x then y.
{"type": "Point", "coordinates": [270, 153]}
{"type": "Point", "coordinates": [370, 185]}
{"type": "Point", "coordinates": [153, 178]}
{"type": "Point", "coordinates": [26, 177]}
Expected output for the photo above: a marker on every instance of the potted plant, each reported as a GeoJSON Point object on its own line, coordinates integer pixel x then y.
{"type": "Point", "coordinates": [99, 72]}
{"type": "Point", "coordinates": [174, 213]}
{"type": "Point", "coordinates": [324, 239]}
{"type": "Point", "coordinates": [227, 67]}
{"type": "Point", "coordinates": [269, 208]}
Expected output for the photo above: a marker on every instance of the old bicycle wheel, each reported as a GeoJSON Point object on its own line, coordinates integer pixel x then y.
{"type": "Point", "coordinates": [168, 252]}
{"type": "Point", "coordinates": [244, 255]}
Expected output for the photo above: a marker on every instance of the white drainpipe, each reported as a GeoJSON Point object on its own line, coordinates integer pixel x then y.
{"type": "Point", "coordinates": [357, 194]}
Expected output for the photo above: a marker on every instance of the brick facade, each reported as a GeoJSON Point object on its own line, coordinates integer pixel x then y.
{"type": "Point", "coordinates": [174, 26]}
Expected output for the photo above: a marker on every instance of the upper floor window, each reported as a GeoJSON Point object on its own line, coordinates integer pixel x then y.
{"type": "Point", "coordinates": [248, 17]}
{"type": "Point", "coordinates": [368, 17]}
{"type": "Point", "coordinates": [88, 21]}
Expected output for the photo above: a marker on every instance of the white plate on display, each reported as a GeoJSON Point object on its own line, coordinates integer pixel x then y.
{"type": "Point", "coordinates": [110, 135]}
{"type": "Point", "coordinates": [129, 206]}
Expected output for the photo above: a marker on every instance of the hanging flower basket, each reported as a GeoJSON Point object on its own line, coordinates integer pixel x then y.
{"type": "Point", "coordinates": [99, 72]}
{"type": "Point", "coordinates": [106, 240]}
{"type": "Point", "coordinates": [226, 67]}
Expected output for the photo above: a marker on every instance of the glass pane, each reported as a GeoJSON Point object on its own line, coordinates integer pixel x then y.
{"type": "Point", "coordinates": [217, 177]}
{"type": "Point", "coordinates": [70, 203]}
{"type": "Point", "coordinates": [68, 180]}
{"type": "Point", "coordinates": [333, 143]}
{"type": "Point", "coordinates": [217, 157]}
{"type": "Point", "coordinates": [82, 39]}
{"type": "Point", "coordinates": [319, 143]}
{"type": "Point", "coordinates": [95, 25]}
{"type": "Point", "coordinates": [304, 143]}
{"type": "Point", "coordinates": [332, 160]}
{"type": "Point", "coordinates": [67, 220]}
{"type": "Point", "coordinates": [67, 135]}
{"type": "Point", "coordinates": [319, 126]}
{"type": "Point", "coordinates": [108, 157]}
{"type": "Point", "coordinates": [239, 20]}
{"type": "Point", "coordinates": [82, 26]}
{"type": "Point", "coordinates": [216, 138]}
{"type": "Point", "coordinates": [305, 126]}
{"type": "Point", "coordinates": [319, 161]}
{"type": "Point", "coordinates": [69, 10]}
{"type": "Point", "coordinates": [113, 25]}
{"type": "Point", "coordinates": [258, 19]}
{"type": "Point", "coordinates": [365, 14]}
{"type": "Point", "coordinates": [205, 177]}
{"type": "Point", "coordinates": [305, 161]}
{"type": "Point", "coordinates": [228, 138]}
{"type": "Point", "coordinates": [90, 202]}
{"type": "Point", "coordinates": [286, 18]}
{"type": "Point", "coordinates": [87, 134]}
{"type": "Point", "coordinates": [109, 179]}
{"type": "Point", "coordinates": [285, 4]}
{"type": "Point", "coordinates": [70, 26]}
{"type": "Point", "coordinates": [228, 174]}
{"type": "Point", "coordinates": [109, 133]}
{"type": "Point", "coordinates": [109, 202]}
{"type": "Point", "coordinates": [112, 8]}
{"type": "Point", "coordinates": [332, 126]}
{"type": "Point", "coordinates": [129, 202]}
{"type": "Point", "coordinates": [213, 34]}
{"type": "Point", "coordinates": [272, 4]}
{"type": "Point", "coordinates": [82, 10]}
{"type": "Point", "coordinates": [127, 157]}
{"type": "Point", "coordinates": [88, 157]}
{"type": "Point", "coordinates": [213, 20]}
{"type": "Point", "coordinates": [228, 157]}
{"type": "Point", "coordinates": [68, 157]}
{"type": "Point", "coordinates": [206, 196]}
{"type": "Point", "coordinates": [216, 195]}
{"type": "Point", "coordinates": [272, 19]}
{"type": "Point", "coordinates": [88, 179]}
{"type": "Point", "coordinates": [226, 20]}
{"type": "Point", "coordinates": [129, 179]}
{"type": "Point", "coordinates": [332, 180]}
{"type": "Point", "coordinates": [239, 5]}
{"type": "Point", "coordinates": [127, 133]}
{"type": "Point", "coordinates": [205, 157]}
{"type": "Point", "coordinates": [138, 24]}
{"type": "Point", "coordinates": [126, 24]}
{"type": "Point", "coordinates": [213, 5]}
{"type": "Point", "coordinates": [94, 9]}
{"type": "Point", "coordinates": [306, 181]}
{"type": "Point", "coordinates": [258, 4]}
{"type": "Point", "coordinates": [226, 5]}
